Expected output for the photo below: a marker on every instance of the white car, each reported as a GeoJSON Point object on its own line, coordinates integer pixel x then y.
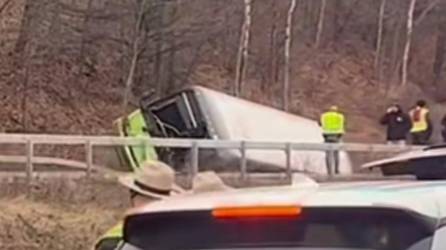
{"type": "Point", "coordinates": [428, 163]}
{"type": "Point", "coordinates": [384, 215]}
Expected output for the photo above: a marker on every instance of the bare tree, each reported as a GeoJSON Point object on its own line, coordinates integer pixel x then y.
{"type": "Point", "coordinates": [25, 91]}
{"type": "Point", "coordinates": [440, 50]}
{"type": "Point", "coordinates": [320, 25]}
{"type": "Point", "coordinates": [272, 52]}
{"type": "Point", "coordinates": [172, 54]}
{"type": "Point", "coordinates": [4, 5]}
{"type": "Point", "coordinates": [87, 17]}
{"type": "Point", "coordinates": [135, 54]}
{"type": "Point", "coordinates": [242, 57]}
{"type": "Point", "coordinates": [158, 67]}
{"type": "Point", "coordinates": [426, 11]}
{"type": "Point", "coordinates": [288, 40]}
{"type": "Point", "coordinates": [396, 61]}
{"type": "Point", "coordinates": [25, 35]}
{"type": "Point", "coordinates": [379, 38]}
{"type": "Point", "coordinates": [408, 41]}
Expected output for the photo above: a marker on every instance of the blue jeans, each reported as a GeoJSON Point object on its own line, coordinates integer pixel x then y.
{"type": "Point", "coordinates": [332, 157]}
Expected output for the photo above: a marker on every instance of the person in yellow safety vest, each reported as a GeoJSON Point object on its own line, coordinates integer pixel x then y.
{"type": "Point", "coordinates": [333, 128]}
{"type": "Point", "coordinates": [153, 181]}
{"type": "Point", "coordinates": [421, 124]}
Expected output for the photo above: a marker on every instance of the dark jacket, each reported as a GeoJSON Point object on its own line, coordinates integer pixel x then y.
{"type": "Point", "coordinates": [398, 125]}
{"type": "Point", "coordinates": [443, 133]}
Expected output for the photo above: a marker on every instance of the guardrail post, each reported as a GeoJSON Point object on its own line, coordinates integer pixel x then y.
{"type": "Point", "coordinates": [288, 152]}
{"type": "Point", "coordinates": [194, 161]}
{"type": "Point", "coordinates": [243, 162]}
{"type": "Point", "coordinates": [89, 157]}
{"type": "Point", "coordinates": [29, 162]}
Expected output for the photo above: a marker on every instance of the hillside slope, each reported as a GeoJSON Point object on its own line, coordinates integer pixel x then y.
{"type": "Point", "coordinates": [56, 103]}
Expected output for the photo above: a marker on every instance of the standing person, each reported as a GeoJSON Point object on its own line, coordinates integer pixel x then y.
{"type": "Point", "coordinates": [443, 131]}
{"type": "Point", "coordinates": [333, 127]}
{"type": "Point", "coordinates": [153, 181]}
{"type": "Point", "coordinates": [398, 125]}
{"type": "Point", "coordinates": [421, 124]}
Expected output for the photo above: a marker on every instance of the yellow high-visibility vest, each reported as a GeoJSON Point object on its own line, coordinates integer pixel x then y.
{"type": "Point", "coordinates": [419, 121]}
{"type": "Point", "coordinates": [333, 123]}
{"type": "Point", "coordinates": [114, 234]}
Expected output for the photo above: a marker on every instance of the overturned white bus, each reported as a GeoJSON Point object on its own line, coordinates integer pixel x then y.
{"type": "Point", "coordinates": [198, 112]}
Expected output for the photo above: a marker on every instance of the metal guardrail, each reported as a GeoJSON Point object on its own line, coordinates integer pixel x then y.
{"type": "Point", "coordinates": [90, 142]}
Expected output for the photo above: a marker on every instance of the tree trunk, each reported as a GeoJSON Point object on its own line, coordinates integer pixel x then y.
{"type": "Point", "coordinates": [440, 47]}
{"type": "Point", "coordinates": [320, 25]}
{"type": "Point", "coordinates": [85, 23]}
{"type": "Point", "coordinates": [307, 18]}
{"type": "Point", "coordinates": [397, 62]}
{"type": "Point", "coordinates": [382, 9]}
{"type": "Point", "coordinates": [288, 40]}
{"type": "Point", "coordinates": [242, 58]}
{"type": "Point", "coordinates": [439, 56]}
{"type": "Point", "coordinates": [158, 63]}
{"type": "Point", "coordinates": [172, 55]}
{"type": "Point", "coordinates": [170, 81]}
{"type": "Point", "coordinates": [272, 49]}
{"type": "Point", "coordinates": [24, 104]}
{"type": "Point", "coordinates": [408, 42]}
{"type": "Point", "coordinates": [4, 5]}
{"type": "Point", "coordinates": [425, 12]}
{"type": "Point", "coordinates": [26, 28]}
{"type": "Point", "coordinates": [395, 70]}
{"type": "Point", "coordinates": [54, 31]}
{"type": "Point", "coordinates": [226, 47]}
{"type": "Point", "coordinates": [24, 48]}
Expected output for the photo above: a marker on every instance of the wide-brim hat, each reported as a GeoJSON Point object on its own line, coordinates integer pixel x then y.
{"type": "Point", "coordinates": [208, 181]}
{"type": "Point", "coordinates": [153, 179]}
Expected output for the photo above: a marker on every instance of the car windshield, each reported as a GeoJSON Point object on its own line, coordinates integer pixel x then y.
{"type": "Point", "coordinates": [313, 229]}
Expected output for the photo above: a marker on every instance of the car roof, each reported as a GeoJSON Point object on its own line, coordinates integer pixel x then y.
{"type": "Point", "coordinates": [429, 152]}
{"type": "Point", "coordinates": [426, 198]}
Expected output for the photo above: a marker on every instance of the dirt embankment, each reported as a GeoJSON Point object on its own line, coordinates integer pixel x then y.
{"type": "Point", "coordinates": [58, 214]}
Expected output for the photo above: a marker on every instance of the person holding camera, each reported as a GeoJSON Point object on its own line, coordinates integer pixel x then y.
{"type": "Point", "coordinates": [398, 125]}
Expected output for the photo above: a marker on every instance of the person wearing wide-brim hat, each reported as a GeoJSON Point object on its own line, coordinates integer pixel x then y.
{"type": "Point", "coordinates": [153, 181]}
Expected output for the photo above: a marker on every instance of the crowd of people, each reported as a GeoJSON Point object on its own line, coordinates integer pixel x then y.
{"type": "Point", "coordinates": [414, 127]}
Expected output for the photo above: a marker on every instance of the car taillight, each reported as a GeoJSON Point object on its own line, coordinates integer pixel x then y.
{"type": "Point", "coordinates": [256, 211]}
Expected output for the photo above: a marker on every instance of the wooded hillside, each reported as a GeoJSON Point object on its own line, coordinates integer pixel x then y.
{"type": "Point", "coordinates": [72, 65]}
